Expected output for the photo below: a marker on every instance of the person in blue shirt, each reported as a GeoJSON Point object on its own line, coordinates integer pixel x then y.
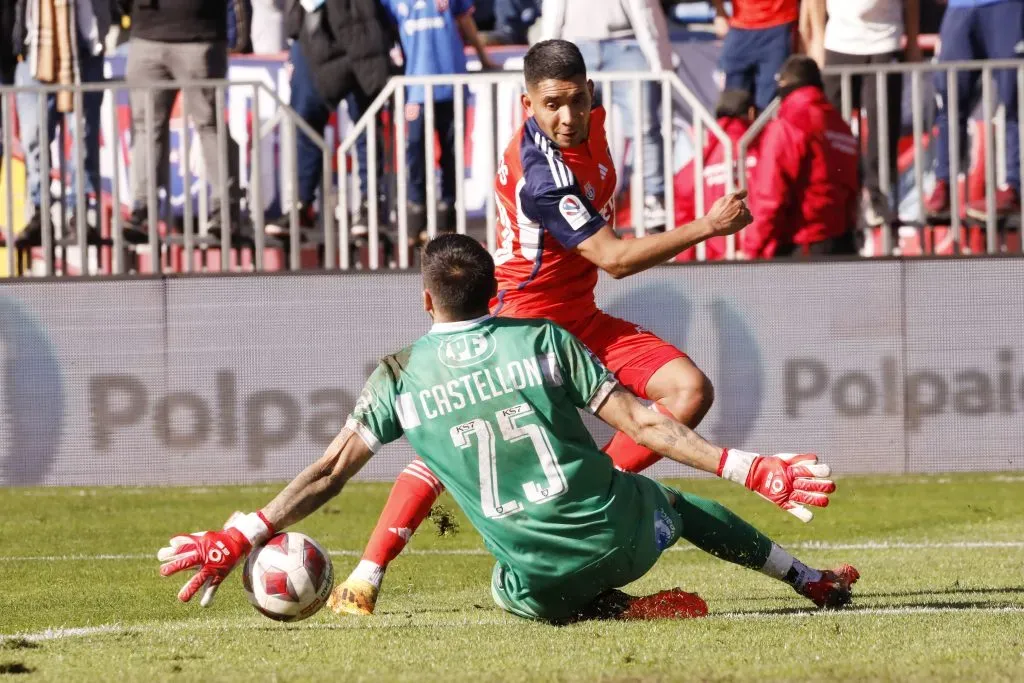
{"type": "Point", "coordinates": [434, 34]}
{"type": "Point", "coordinates": [978, 29]}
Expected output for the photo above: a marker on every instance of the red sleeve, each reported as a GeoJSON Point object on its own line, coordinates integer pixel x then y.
{"type": "Point", "coordinates": [685, 196]}
{"type": "Point", "coordinates": [773, 178]}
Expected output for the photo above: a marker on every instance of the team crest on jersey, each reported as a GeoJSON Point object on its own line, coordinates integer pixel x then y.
{"type": "Point", "coordinates": [403, 10]}
{"type": "Point", "coordinates": [464, 350]}
{"type": "Point", "coordinates": [573, 211]}
{"type": "Point", "coordinates": [588, 189]}
{"type": "Point", "coordinates": [442, 6]}
{"type": "Point", "coordinates": [366, 402]}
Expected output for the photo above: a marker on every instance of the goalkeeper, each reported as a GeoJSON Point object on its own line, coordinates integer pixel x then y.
{"type": "Point", "coordinates": [491, 405]}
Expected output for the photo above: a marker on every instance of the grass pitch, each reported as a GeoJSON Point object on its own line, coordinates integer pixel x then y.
{"type": "Point", "coordinates": [941, 596]}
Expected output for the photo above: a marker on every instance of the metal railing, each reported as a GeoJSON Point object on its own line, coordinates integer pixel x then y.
{"type": "Point", "coordinates": [994, 146]}
{"type": "Point", "coordinates": [236, 235]}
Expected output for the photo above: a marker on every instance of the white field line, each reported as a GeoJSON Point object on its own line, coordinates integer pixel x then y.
{"type": "Point", "coordinates": [806, 545]}
{"type": "Point", "coordinates": [399, 621]}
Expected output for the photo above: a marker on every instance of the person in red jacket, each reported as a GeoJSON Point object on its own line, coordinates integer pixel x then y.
{"type": "Point", "coordinates": [735, 112]}
{"type": "Point", "coordinates": [805, 189]}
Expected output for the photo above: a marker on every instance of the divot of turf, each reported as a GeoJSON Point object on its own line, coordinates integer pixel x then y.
{"type": "Point", "coordinates": [444, 520]}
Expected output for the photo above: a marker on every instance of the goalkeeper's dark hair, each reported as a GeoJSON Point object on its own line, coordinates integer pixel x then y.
{"type": "Point", "coordinates": [459, 273]}
{"type": "Point", "coordinates": [559, 60]}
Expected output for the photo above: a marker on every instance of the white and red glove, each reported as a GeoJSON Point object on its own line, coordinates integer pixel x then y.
{"type": "Point", "coordinates": [790, 480]}
{"type": "Point", "coordinates": [214, 553]}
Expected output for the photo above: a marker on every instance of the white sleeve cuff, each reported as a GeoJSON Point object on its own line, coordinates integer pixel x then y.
{"type": "Point", "coordinates": [737, 465]}
{"type": "Point", "coordinates": [364, 433]}
{"type": "Point", "coordinates": [251, 526]}
{"type": "Point", "coordinates": [602, 394]}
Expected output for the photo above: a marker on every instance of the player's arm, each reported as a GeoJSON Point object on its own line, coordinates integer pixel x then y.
{"type": "Point", "coordinates": [619, 258]}
{"type": "Point", "coordinates": [789, 480]}
{"type": "Point", "coordinates": [319, 482]}
{"type": "Point", "coordinates": [215, 553]}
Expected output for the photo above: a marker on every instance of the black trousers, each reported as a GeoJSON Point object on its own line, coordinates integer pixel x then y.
{"type": "Point", "coordinates": [864, 93]}
{"type": "Point", "coordinates": [843, 245]}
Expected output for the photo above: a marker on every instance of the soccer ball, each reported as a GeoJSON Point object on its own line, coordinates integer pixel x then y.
{"type": "Point", "coordinates": [289, 578]}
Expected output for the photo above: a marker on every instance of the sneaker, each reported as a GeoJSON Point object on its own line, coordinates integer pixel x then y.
{"type": "Point", "coordinates": [360, 226]}
{"type": "Point", "coordinates": [354, 596]}
{"type": "Point", "coordinates": [654, 213]}
{"type": "Point", "coordinates": [1007, 202]}
{"type": "Point", "coordinates": [876, 210]}
{"type": "Point", "coordinates": [282, 225]}
{"type": "Point", "coordinates": [937, 203]}
{"type": "Point", "coordinates": [670, 604]}
{"type": "Point", "coordinates": [833, 589]}
{"type": "Point", "coordinates": [32, 234]}
{"type": "Point", "coordinates": [136, 228]}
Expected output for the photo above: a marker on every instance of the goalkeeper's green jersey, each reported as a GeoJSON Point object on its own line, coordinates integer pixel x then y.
{"type": "Point", "coordinates": [491, 407]}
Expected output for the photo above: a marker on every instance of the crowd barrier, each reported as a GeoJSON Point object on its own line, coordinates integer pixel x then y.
{"type": "Point", "coordinates": [240, 379]}
{"type": "Point", "coordinates": [265, 128]}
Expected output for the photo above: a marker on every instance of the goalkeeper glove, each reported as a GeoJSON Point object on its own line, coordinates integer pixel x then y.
{"type": "Point", "coordinates": [214, 553]}
{"type": "Point", "coordinates": [789, 480]}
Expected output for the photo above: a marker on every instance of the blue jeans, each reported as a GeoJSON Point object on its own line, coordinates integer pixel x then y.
{"type": "Point", "coordinates": [625, 55]}
{"type": "Point", "coordinates": [752, 57]}
{"type": "Point", "coordinates": [415, 153]}
{"type": "Point", "coordinates": [91, 67]}
{"type": "Point", "coordinates": [309, 104]}
{"type": "Point", "coordinates": [987, 32]}
{"type": "Point", "coordinates": [312, 108]}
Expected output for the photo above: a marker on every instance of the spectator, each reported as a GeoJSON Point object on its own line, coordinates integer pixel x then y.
{"type": "Point", "coordinates": [623, 35]}
{"type": "Point", "coordinates": [184, 40]}
{"type": "Point", "coordinates": [239, 27]}
{"type": "Point", "coordinates": [869, 32]}
{"type": "Point", "coordinates": [340, 49]}
{"type": "Point", "coordinates": [758, 39]}
{"type": "Point", "coordinates": [735, 112]}
{"type": "Point", "coordinates": [978, 29]}
{"type": "Point", "coordinates": [805, 187]}
{"type": "Point", "coordinates": [36, 42]}
{"type": "Point", "coordinates": [434, 34]}
{"type": "Point", "coordinates": [512, 20]}
{"type": "Point", "coordinates": [268, 35]}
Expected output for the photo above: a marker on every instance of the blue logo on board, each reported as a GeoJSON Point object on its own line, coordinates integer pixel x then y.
{"type": "Point", "coordinates": [33, 390]}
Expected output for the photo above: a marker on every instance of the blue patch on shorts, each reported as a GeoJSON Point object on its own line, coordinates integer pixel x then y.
{"type": "Point", "coordinates": [664, 529]}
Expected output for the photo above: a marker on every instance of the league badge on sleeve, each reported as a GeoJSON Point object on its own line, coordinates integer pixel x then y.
{"type": "Point", "coordinates": [573, 211]}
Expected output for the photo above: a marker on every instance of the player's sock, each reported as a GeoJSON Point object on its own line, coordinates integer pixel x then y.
{"type": "Point", "coordinates": [784, 567]}
{"type": "Point", "coordinates": [628, 455]}
{"type": "Point", "coordinates": [409, 503]}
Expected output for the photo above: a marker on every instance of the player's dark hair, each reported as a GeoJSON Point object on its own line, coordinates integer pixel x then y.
{"type": "Point", "coordinates": [459, 273]}
{"type": "Point", "coordinates": [799, 71]}
{"type": "Point", "coordinates": [733, 103]}
{"type": "Point", "coordinates": [559, 60]}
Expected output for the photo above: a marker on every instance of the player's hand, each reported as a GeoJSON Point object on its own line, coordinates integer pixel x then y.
{"type": "Point", "coordinates": [213, 553]}
{"type": "Point", "coordinates": [728, 215]}
{"type": "Point", "coordinates": [790, 480]}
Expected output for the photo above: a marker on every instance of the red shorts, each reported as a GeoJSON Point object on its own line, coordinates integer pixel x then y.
{"type": "Point", "coordinates": [632, 353]}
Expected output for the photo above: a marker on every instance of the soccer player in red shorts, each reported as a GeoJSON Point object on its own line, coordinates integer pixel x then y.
{"type": "Point", "coordinates": [555, 188]}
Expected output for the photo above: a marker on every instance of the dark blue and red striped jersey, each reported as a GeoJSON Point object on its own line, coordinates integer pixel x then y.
{"type": "Point", "coordinates": [550, 200]}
